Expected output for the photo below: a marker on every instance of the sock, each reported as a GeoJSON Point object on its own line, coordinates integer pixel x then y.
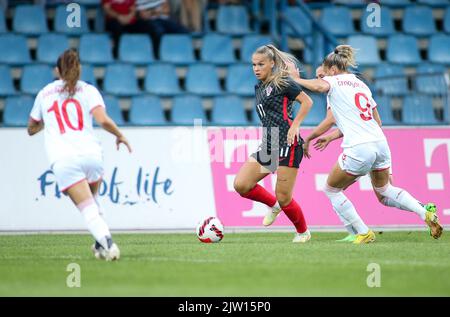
{"type": "Point", "coordinates": [392, 203]}
{"type": "Point", "coordinates": [101, 211]}
{"type": "Point", "coordinates": [295, 215]}
{"type": "Point", "coordinates": [403, 198]}
{"type": "Point", "coordinates": [277, 205]}
{"type": "Point", "coordinates": [345, 209]}
{"type": "Point", "coordinates": [259, 193]}
{"type": "Point", "coordinates": [95, 224]}
{"type": "Point", "coordinates": [350, 229]}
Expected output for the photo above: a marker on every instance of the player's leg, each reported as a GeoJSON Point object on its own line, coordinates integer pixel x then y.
{"type": "Point", "coordinates": [94, 187]}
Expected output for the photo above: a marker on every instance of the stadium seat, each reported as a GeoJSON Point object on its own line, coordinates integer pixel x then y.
{"type": "Point", "coordinates": [318, 111]}
{"type": "Point", "coordinates": [113, 110]}
{"type": "Point", "coordinates": [384, 108]}
{"type": "Point", "coordinates": [367, 54]}
{"type": "Point", "coordinates": [337, 20]}
{"type": "Point", "coordinates": [431, 79]}
{"type": "Point", "coordinates": [397, 3]}
{"type": "Point", "coordinates": [3, 28]}
{"type": "Point", "coordinates": [386, 27]}
{"type": "Point", "coordinates": [352, 3]}
{"type": "Point", "coordinates": [241, 80]}
{"type": "Point", "coordinates": [99, 22]}
{"type": "Point", "coordinates": [14, 49]}
{"type": "Point", "coordinates": [50, 46]}
{"type": "Point", "coordinates": [95, 49]}
{"type": "Point", "coordinates": [177, 49]}
{"type": "Point", "coordinates": [30, 20]}
{"type": "Point", "coordinates": [17, 111]}
{"type": "Point", "coordinates": [323, 49]}
{"type": "Point", "coordinates": [302, 25]}
{"type": "Point", "coordinates": [35, 77]}
{"type": "Point", "coordinates": [403, 49]}
{"type": "Point", "coordinates": [146, 110]}
{"type": "Point", "coordinates": [187, 108]}
{"type": "Point", "coordinates": [438, 49]}
{"type": "Point", "coordinates": [217, 49]}
{"type": "Point", "coordinates": [120, 80]}
{"type": "Point", "coordinates": [87, 74]}
{"type": "Point", "coordinates": [434, 3]}
{"type": "Point", "coordinates": [6, 81]}
{"type": "Point", "coordinates": [136, 49]}
{"type": "Point", "coordinates": [202, 79]}
{"type": "Point", "coordinates": [447, 20]}
{"type": "Point", "coordinates": [418, 109]}
{"type": "Point", "coordinates": [60, 24]}
{"type": "Point", "coordinates": [419, 21]}
{"type": "Point", "coordinates": [232, 20]}
{"type": "Point", "coordinates": [391, 80]}
{"type": "Point", "coordinates": [250, 43]}
{"type": "Point", "coordinates": [161, 79]}
{"type": "Point", "coordinates": [228, 110]}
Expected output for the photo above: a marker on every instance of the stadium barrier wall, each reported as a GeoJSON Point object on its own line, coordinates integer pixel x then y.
{"type": "Point", "coordinates": [177, 176]}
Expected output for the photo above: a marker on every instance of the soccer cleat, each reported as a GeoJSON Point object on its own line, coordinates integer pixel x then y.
{"type": "Point", "coordinates": [349, 238]}
{"type": "Point", "coordinates": [369, 237]}
{"type": "Point", "coordinates": [271, 215]}
{"type": "Point", "coordinates": [98, 251]}
{"type": "Point", "coordinates": [112, 254]}
{"type": "Point", "coordinates": [432, 221]}
{"type": "Point", "coordinates": [302, 237]}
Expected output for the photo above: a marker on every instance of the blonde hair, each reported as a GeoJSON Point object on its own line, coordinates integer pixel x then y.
{"type": "Point", "coordinates": [342, 57]}
{"type": "Point", "coordinates": [69, 69]}
{"type": "Point", "coordinates": [280, 71]}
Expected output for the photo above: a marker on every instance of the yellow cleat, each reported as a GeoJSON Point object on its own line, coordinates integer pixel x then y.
{"type": "Point", "coordinates": [369, 237]}
{"type": "Point", "coordinates": [432, 221]}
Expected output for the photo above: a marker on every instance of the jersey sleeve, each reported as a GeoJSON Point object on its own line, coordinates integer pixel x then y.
{"type": "Point", "coordinates": [36, 111]}
{"type": "Point", "coordinates": [331, 81]}
{"type": "Point", "coordinates": [293, 89]}
{"type": "Point", "coordinates": [95, 99]}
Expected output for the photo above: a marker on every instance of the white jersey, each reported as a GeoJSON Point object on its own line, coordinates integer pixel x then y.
{"type": "Point", "coordinates": [351, 102]}
{"type": "Point", "coordinates": [68, 121]}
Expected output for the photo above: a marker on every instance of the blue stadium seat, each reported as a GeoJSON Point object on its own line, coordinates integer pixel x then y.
{"type": "Point", "coordinates": [99, 22]}
{"type": "Point", "coordinates": [419, 21]}
{"type": "Point", "coordinates": [438, 49]}
{"type": "Point", "coordinates": [250, 43]}
{"type": "Point", "coordinates": [323, 49]}
{"type": "Point", "coordinates": [60, 22]}
{"type": "Point", "coordinates": [430, 79]}
{"type": "Point", "coordinates": [50, 46]}
{"type": "Point", "coordinates": [403, 49]}
{"type": "Point", "coordinates": [95, 49]}
{"type": "Point", "coordinates": [89, 3]}
{"type": "Point", "coordinates": [417, 110]}
{"type": "Point", "coordinates": [396, 3]}
{"type": "Point", "coordinates": [17, 111]}
{"type": "Point", "coordinates": [177, 49]}
{"type": "Point", "coordinates": [87, 74]}
{"type": "Point", "coordinates": [447, 20]}
{"type": "Point", "coordinates": [386, 27]}
{"type": "Point", "coordinates": [3, 28]}
{"type": "Point", "coordinates": [113, 110]}
{"type": "Point", "coordinates": [367, 54]}
{"type": "Point", "coordinates": [35, 77]}
{"type": "Point", "coordinates": [202, 79]}
{"type": "Point", "coordinates": [233, 20]}
{"type": "Point", "coordinates": [146, 110]}
{"type": "Point", "coordinates": [241, 80]}
{"type": "Point", "coordinates": [337, 20]}
{"type": "Point", "coordinates": [120, 80]}
{"type": "Point", "coordinates": [434, 3]}
{"type": "Point", "coordinates": [352, 3]}
{"type": "Point", "coordinates": [14, 49]}
{"type": "Point", "coordinates": [187, 108]}
{"type": "Point", "coordinates": [217, 49]}
{"type": "Point", "coordinates": [303, 25]}
{"type": "Point", "coordinates": [384, 108]}
{"type": "Point", "coordinates": [30, 20]}
{"type": "Point", "coordinates": [136, 49]}
{"type": "Point", "coordinates": [161, 79]}
{"type": "Point", "coordinates": [318, 111]}
{"type": "Point", "coordinates": [228, 110]}
{"type": "Point", "coordinates": [391, 80]}
{"type": "Point", "coordinates": [6, 81]}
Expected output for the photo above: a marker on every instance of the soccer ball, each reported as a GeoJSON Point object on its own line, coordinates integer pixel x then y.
{"type": "Point", "coordinates": [210, 230]}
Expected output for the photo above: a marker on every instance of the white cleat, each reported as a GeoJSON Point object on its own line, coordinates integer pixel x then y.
{"type": "Point", "coordinates": [302, 237]}
{"type": "Point", "coordinates": [109, 255]}
{"type": "Point", "coordinates": [271, 215]}
{"type": "Point", "coordinates": [113, 253]}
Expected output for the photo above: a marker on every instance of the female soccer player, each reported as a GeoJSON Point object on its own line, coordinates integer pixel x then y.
{"type": "Point", "coordinates": [281, 148]}
{"type": "Point", "coordinates": [365, 146]}
{"type": "Point", "coordinates": [64, 109]}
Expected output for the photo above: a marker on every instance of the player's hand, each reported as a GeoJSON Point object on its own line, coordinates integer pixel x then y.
{"type": "Point", "coordinates": [293, 70]}
{"type": "Point", "coordinates": [306, 150]}
{"type": "Point", "coordinates": [123, 140]}
{"type": "Point", "coordinates": [322, 143]}
{"type": "Point", "coordinates": [293, 133]}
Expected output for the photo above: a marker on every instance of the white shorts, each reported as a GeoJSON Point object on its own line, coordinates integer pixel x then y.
{"type": "Point", "coordinates": [69, 172]}
{"type": "Point", "coordinates": [363, 158]}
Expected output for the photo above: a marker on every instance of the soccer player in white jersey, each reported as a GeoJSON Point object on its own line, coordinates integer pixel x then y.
{"type": "Point", "coordinates": [64, 110]}
{"type": "Point", "coordinates": [365, 148]}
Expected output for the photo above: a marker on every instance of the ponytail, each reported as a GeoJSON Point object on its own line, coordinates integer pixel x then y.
{"type": "Point", "coordinates": [342, 57]}
{"type": "Point", "coordinates": [69, 69]}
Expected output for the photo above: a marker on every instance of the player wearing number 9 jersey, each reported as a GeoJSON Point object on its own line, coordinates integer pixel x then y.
{"type": "Point", "coordinates": [64, 109]}
{"type": "Point", "coordinates": [365, 148]}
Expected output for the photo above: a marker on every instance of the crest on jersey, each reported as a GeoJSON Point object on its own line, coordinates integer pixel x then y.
{"type": "Point", "coordinates": [268, 91]}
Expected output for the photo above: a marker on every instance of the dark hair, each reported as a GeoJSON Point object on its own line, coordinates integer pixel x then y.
{"type": "Point", "coordinates": [69, 69]}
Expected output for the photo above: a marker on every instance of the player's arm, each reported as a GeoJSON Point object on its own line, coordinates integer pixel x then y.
{"type": "Point", "coordinates": [305, 106]}
{"type": "Point", "coordinates": [109, 125]}
{"type": "Point", "coordinates": [376, 116]}
{"type": "Point", "coordinates": [323, 127]}
{"type": "Point", "coordinates": [315, 85]}
{"type": "Point", "coordinates": [34, 126]}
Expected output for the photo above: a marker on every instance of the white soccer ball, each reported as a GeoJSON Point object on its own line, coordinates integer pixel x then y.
{"type": "Point", "coordinates": [210, 230]}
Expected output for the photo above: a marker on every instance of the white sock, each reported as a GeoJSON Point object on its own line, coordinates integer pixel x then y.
{"type": "Point", "coordinates": [403, 199]}
{"type": "Point", "coordinates": [350, 229]}
{"type": "Point", "coordinates": [95, 224]}
{"type": "Point", "coordinates": [277, 206]}
{"type": "Point", "coordinates": [345, 209]}
{"type": "Point", "coordinates": [101, 211]}
{"type": "Point", "coordinates": [392, 203]}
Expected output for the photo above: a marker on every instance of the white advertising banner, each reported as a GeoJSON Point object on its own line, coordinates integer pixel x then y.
{"type": "Point", "coordinates": [165, 183]}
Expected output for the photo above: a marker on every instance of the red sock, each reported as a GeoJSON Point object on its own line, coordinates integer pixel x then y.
{"type": "Point", "coordinates": [295, 214]}
{"type": "Point", "coordinates": [258, 193]}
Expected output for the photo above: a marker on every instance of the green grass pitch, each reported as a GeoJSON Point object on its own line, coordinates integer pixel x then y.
{"type": "Point", "coordinates": [244, 264]}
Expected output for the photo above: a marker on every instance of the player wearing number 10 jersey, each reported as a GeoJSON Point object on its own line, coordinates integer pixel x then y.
{"type": "Point", "coordinates": [64, 109]}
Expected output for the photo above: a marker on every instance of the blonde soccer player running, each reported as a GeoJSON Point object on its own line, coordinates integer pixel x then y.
{"type": "Point", "coordinates": [64, 110]}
